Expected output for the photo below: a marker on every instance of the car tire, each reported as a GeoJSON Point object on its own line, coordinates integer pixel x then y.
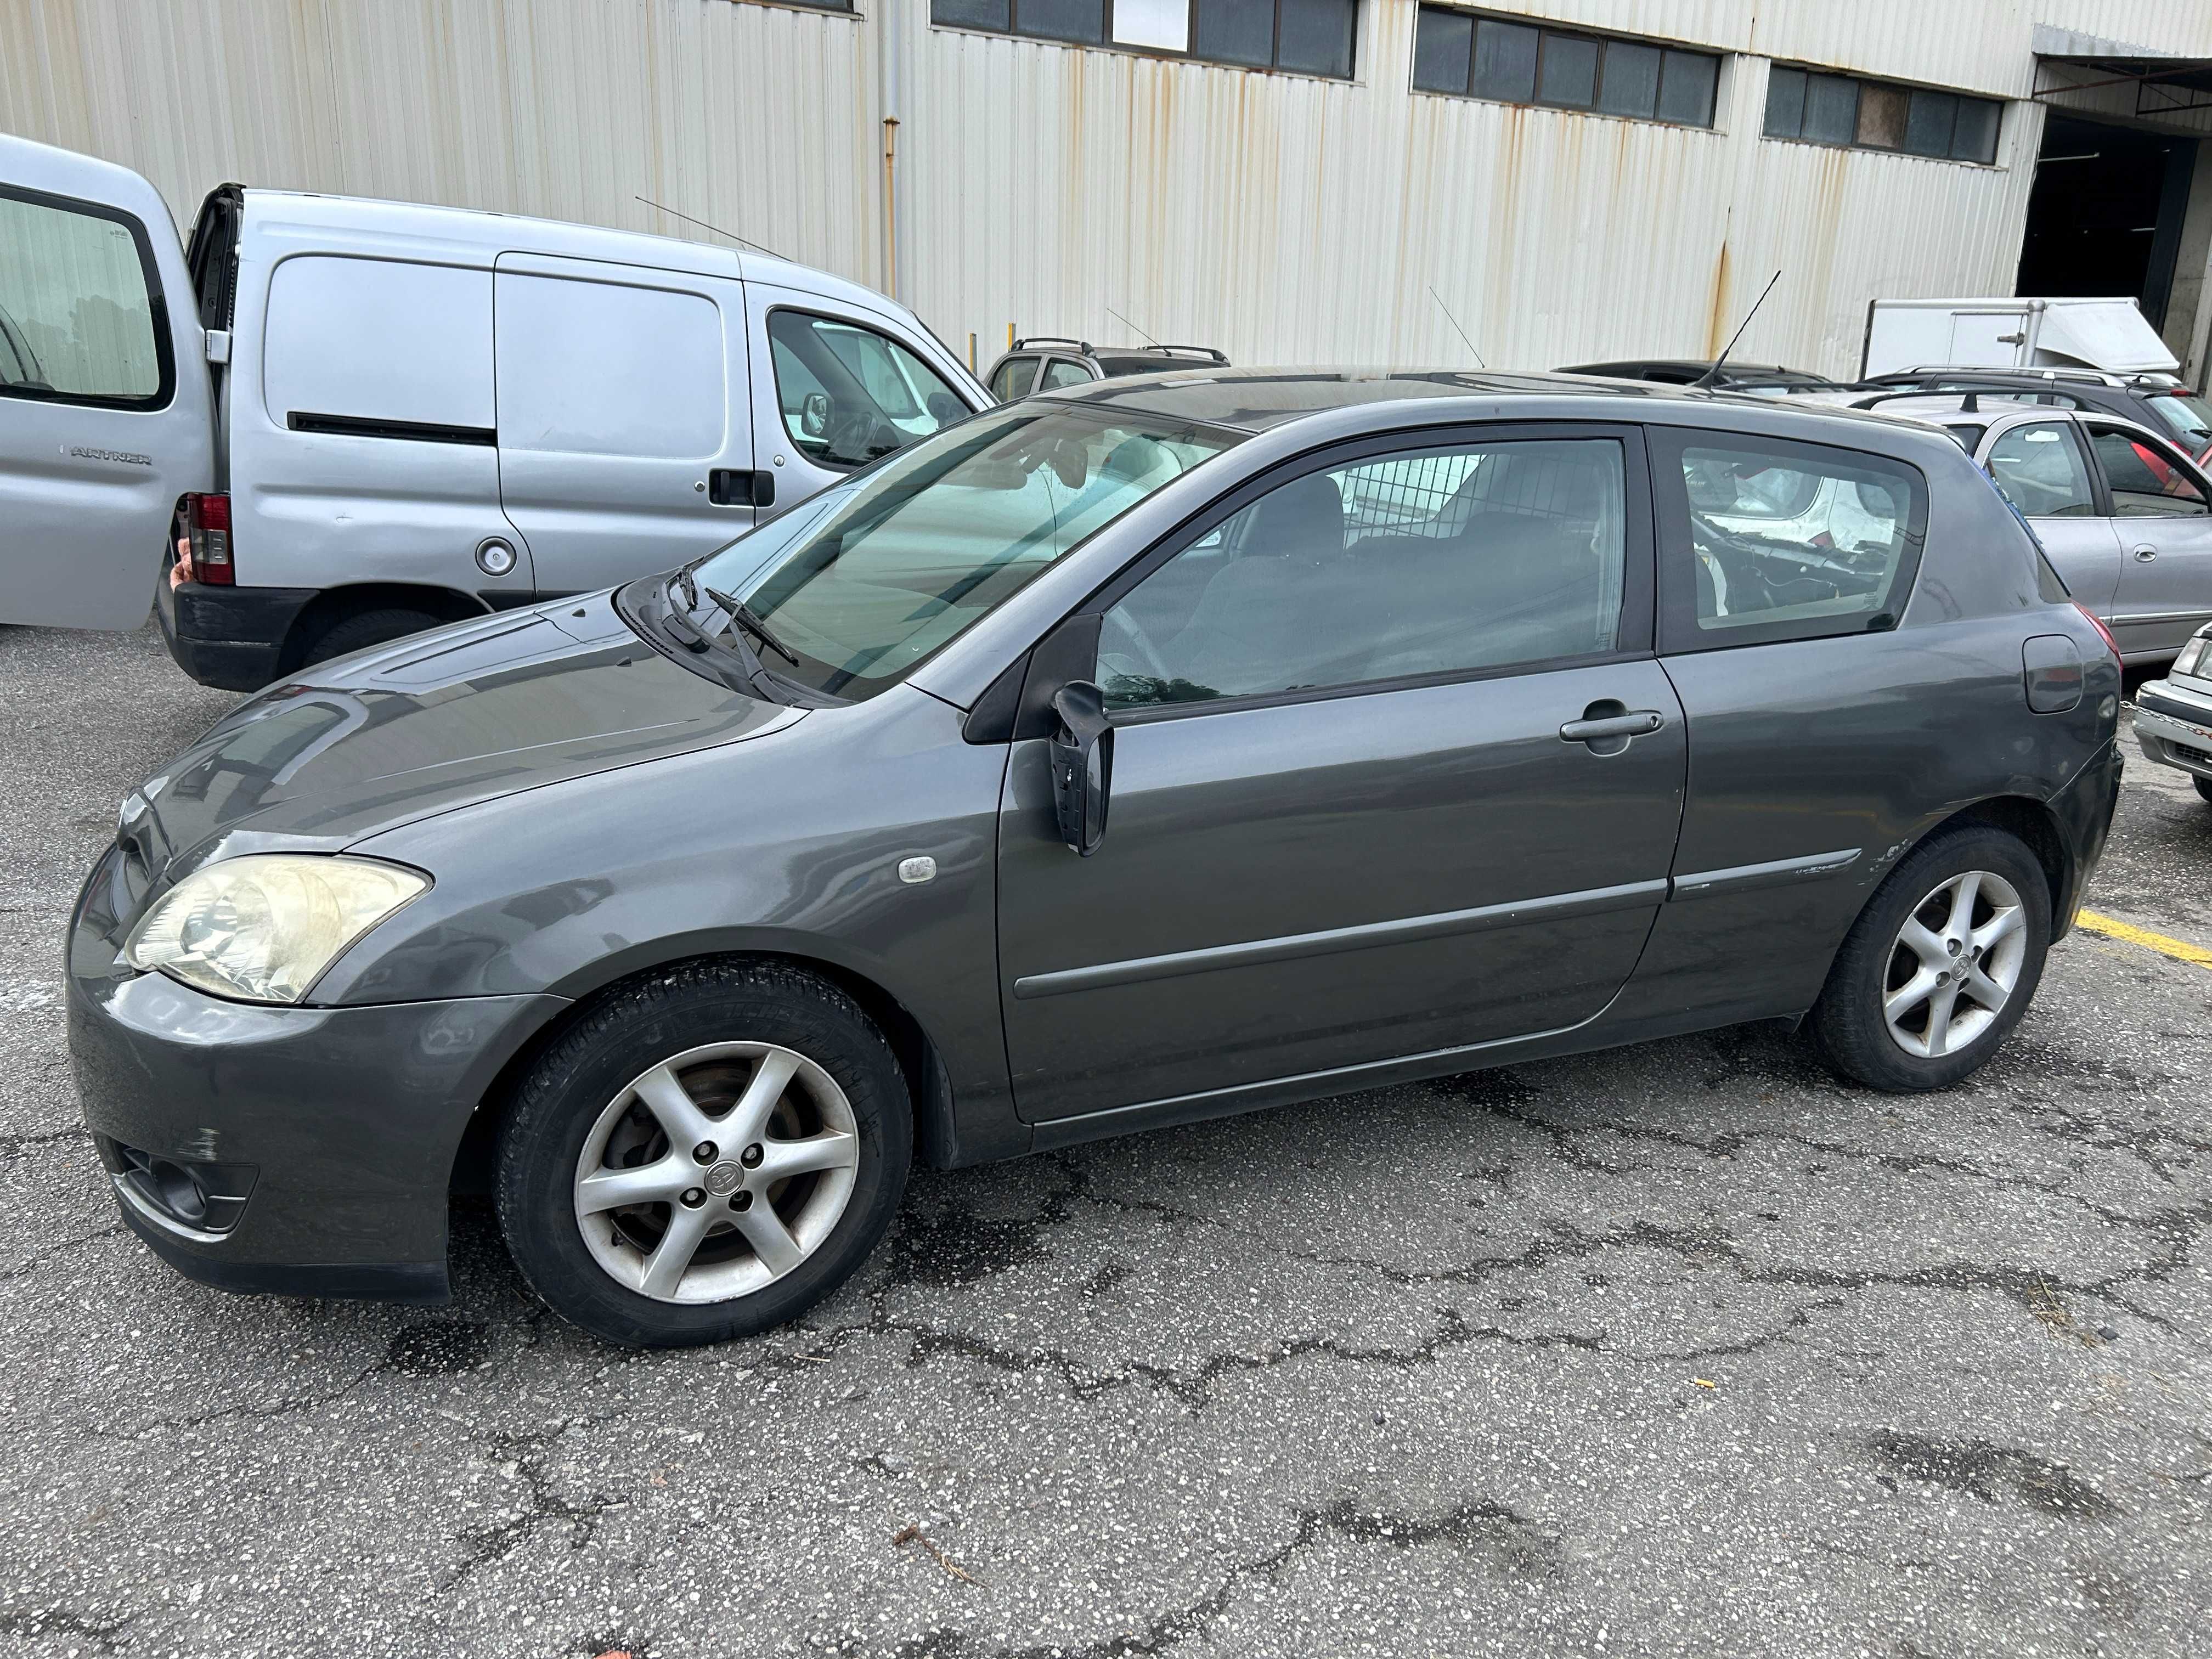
{"type": "Point", "coordinates": [1869, 1024]}
{"type": "Point", "coordinates": [591, 1127]}
{"type": "Point", "coordinates": [2204, 786]}
{"type": "Point", "coordinates": [366, 629]}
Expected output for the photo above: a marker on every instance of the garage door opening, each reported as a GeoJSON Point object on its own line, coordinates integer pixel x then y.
{"type": "Point", "coordinates": [2105, 216]}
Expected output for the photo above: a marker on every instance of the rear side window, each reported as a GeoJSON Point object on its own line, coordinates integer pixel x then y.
{"type": "Point", "coordinates": [1061, 372]}
{"type": "Point", "coordinates": [1014, 378]}
{"type": "Point", "coordinates": [76, 307]}
{"type": "Point", "coordinates": [379, 348]}
{"type": "Point", "coordinates": [849, 395]}
{"type": "Point", "coordinates": [2147, 482]}
{"type": "Point", "coordinates": [2040, 469]}
{"type": "Point", "coordinates": [1772, 540]}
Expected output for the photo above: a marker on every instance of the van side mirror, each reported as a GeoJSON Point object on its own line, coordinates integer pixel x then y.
{"type": "Point", "coordinates": [814, 414]}
{"type": "Point", "coordinates": [1082, 752]}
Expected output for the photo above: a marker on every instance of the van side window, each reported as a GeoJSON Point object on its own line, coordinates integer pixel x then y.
{"type": "Point", "coordinates": [1778, 540]}
{"type": "Point", "coordinates": [2040, 469]}
{"type": "Point", "coordinates": [1428, 562]}
{"type": "Point", "coordinates": [382, 348]}
{"type": "Point", "coordinates": [77, 311]}
{"type": "Point", "coordinates": [848, 394]}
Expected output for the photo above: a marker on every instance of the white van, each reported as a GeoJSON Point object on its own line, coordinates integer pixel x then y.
{"type": "Point", "coordinates": [330, 422]}
{"type": "Point", "coordinates": [2109, 334]}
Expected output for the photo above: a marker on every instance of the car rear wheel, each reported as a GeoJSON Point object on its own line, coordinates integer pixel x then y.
{"type": "Point", "coordinates": [706, 1155]}
{"type": "Point", "coordinates": [1940, 966]}
{"type": "Point", "coordinates": [364, 629]}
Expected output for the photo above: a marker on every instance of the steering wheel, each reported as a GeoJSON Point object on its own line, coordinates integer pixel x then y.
{"type": "Point", "coordinates": [1117, 628]}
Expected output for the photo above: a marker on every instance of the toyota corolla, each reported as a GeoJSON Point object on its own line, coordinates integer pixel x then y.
{"type": "Point", "coordinates": [1124, 757]}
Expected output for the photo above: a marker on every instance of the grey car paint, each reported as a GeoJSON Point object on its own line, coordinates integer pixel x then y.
{"type": "Point", "coordinates": [658, 818]}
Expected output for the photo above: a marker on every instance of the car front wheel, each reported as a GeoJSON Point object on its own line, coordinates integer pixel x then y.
{"type": "Point", "coordinates": [1940, 966]}
{"type": "Point", "coordinates": [707, 1154]}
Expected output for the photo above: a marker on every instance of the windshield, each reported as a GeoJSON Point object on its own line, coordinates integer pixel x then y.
{"type": "Point", "coordinates": [2189, 416]}
{"type": "Point", "coordinates": [919, 548]}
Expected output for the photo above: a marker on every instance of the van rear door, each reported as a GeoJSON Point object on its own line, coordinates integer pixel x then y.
{"type": "Point", "coordinates": [105, 414]}
{"type": "Point", "coordinates": [625, 444]}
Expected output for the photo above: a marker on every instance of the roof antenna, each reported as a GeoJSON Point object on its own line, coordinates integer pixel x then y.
{"type": "Point", "coordinates": [1110, 311]}
{"type": "Point", "coordinates": [703, 225]}
{"type": "Point", "coordinates": [1456, 329]}
{"type": "Point", "coordinates": [1711, 377]}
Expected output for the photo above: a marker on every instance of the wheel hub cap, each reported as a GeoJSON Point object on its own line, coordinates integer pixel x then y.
{"type": "Point", "coordinates": [1954, 965]}
{"type": "Point", "coordinates": [663, 1213]}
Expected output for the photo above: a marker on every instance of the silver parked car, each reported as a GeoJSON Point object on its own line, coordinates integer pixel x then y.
{"type": "Point", "coordinates": [2124, 515]}
{"type": "Point", "coordinates": [2173, 716]}
{"type": "Point", "coordinates": [1126, 755]}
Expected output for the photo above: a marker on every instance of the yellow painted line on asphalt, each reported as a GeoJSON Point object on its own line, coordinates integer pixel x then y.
{"type": "Point", "coordinates": [2179, 950]}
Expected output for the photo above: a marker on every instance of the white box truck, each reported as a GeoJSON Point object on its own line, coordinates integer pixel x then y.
{"type": "Point", "coordinates": [2108, 334]}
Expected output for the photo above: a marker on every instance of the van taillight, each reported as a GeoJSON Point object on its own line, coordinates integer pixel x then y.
{"type": "Point", "coordinates": [204, 549]}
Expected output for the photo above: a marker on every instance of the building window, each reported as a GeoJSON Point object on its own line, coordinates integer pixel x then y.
{"type": "Point", "coordinates": [1477, 57]}
{"type": "Point", "coordinates": [1305, 37]}
{"type": "Point", "coordinates": [1843, 109]}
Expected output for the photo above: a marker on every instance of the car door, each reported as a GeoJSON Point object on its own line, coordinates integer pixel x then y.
{"type": "Point", "coordinates": [2043, 468]}
{"type": "Point", "coordinates": [1398, 777]}
{"type": "Point", "coordinates": [106, 417]}
{"type": "Point", "coordinates": [2162, 514]}
{"type": "Point", "coordinates": [625, 440]}
{"type": "Point", "coordinates": [832, 391]}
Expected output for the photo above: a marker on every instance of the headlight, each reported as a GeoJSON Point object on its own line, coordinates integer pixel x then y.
{"type": "Point", "coordinates": [2192, 660]}
{"type": "Point", "coordinates": [265, 926]}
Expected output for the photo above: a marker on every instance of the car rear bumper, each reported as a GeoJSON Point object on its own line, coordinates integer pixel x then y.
{"type": "Point", "coordinates": [2084, 810]}
{"type": "Point", "coordinates": [231, 638]}
{"type": "Point", "coordinates": [2174, 727]}
{"type": "Point", "coordinates": [305, 1152]}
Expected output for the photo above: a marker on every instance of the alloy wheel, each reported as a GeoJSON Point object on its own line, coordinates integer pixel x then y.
{"type": "Point", "coordinates": [1955, 965]}
{"type": "Point", "coordinates": [716, 1172]}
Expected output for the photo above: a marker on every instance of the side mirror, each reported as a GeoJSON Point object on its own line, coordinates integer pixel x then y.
{"type": "Point", "coordinates": [944, 408]}
{"type": "Point", "coordinates": [1082, 765]}
{"type": "Point", "coordinates": [814, 414]}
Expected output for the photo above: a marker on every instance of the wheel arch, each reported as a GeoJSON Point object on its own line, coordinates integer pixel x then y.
{"type": "Point", "coordinates": [334, 606]}
{"type": "Point", "coordinates": [928, 1087]}
{"type": "Point", "coordinates": [2034, 823]}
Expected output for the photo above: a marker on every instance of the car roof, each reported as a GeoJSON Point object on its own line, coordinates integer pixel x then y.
{"type": "Point", "coordinates": [2022, 414]}
{"type": "Point", "coordinates": [1257, 399]}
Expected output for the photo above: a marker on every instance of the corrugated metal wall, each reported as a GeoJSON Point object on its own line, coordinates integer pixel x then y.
{"type": "Point", "coordinates": [1280, 217]}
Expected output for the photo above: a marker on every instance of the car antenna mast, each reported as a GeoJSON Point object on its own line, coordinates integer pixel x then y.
{"type": "Point", "coordinates": [1456, 329]}
{"type": "Point", "coordinates": [1711, 377]}
{"type": "Point", "coordinates": [1118, 316]}
{"type": "Point", "coordinates": [703, 225]}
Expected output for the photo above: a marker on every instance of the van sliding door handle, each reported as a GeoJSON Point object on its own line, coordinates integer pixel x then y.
{"type": "Point", "coordinates": [728, 487]}
{"type": "Point", "coordinates": [1637, 723]}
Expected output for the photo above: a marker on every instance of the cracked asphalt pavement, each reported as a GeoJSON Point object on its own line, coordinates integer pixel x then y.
{"type": "Point", "coordinates": [1683, 1348]}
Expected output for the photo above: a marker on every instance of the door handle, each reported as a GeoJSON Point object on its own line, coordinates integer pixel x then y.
{"type": "Point", "coordinates": [2145, 555]}
{"type": "Point", "coordinates": [1636, 723]}
{"type": "Point", "coordinates": [730, 486]}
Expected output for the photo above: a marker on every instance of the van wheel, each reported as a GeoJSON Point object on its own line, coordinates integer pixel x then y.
{"type": "Point", "coordinates": [1940, 964]}
{"type": "Point", "coordinates": [365, 629]}
{"type": "Point", "coordinates": [707, 1154]}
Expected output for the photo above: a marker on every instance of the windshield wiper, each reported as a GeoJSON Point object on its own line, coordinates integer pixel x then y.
{"type": "Point", "coordinates": [747, 618]}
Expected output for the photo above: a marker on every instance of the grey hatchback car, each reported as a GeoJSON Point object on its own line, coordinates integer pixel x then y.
{"type": "Point", "coordinates": [1152, 751]}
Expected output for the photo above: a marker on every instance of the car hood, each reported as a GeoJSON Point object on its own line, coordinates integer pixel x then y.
{"type": "Point", "coordinates": [432, 723]}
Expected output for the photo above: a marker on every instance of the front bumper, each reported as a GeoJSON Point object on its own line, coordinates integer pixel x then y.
{"type": "Point", "coordinates": [231, 638]}
{"type": "Point", "coordinates": [338, 1126]}
{"type": "Point", "coordinates": [2174, 727]}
